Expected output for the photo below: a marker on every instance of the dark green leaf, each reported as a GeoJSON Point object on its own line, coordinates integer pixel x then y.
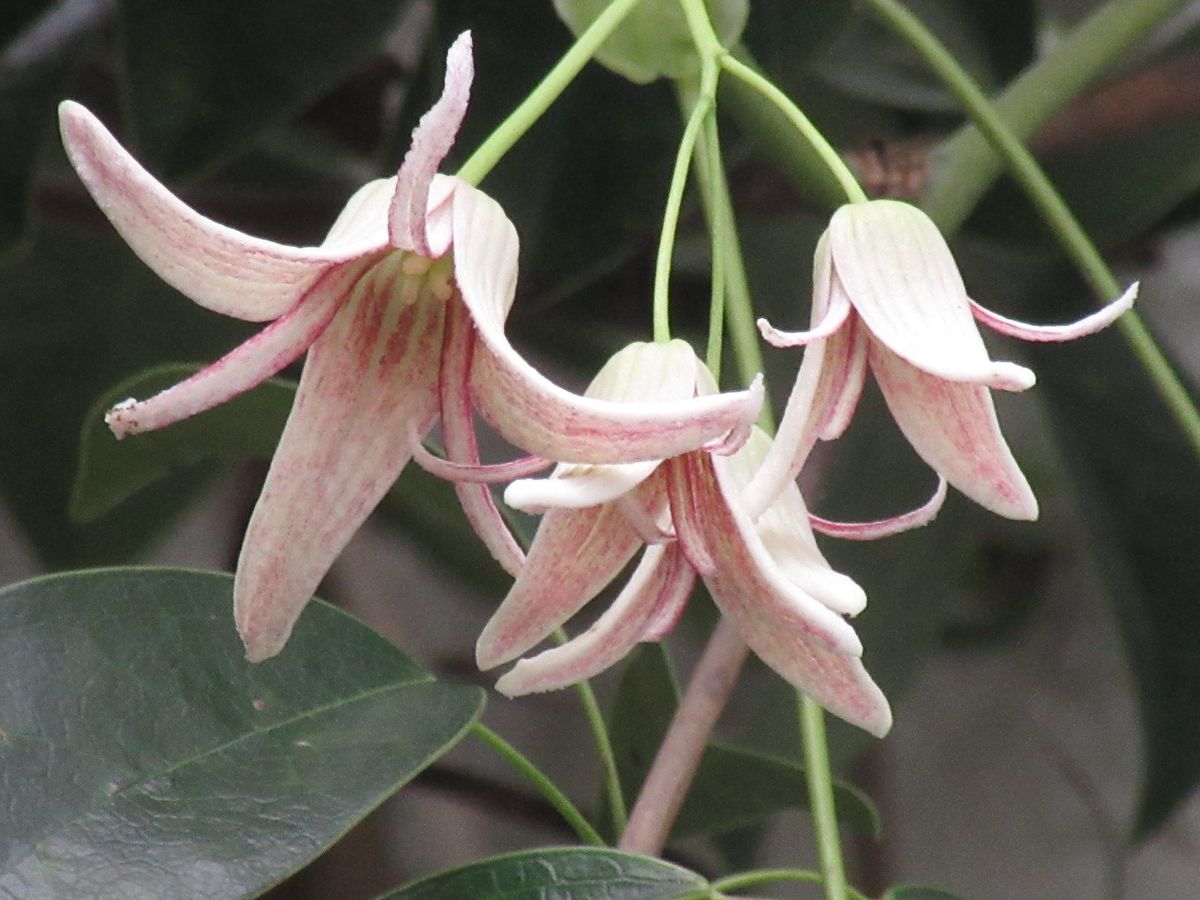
{"type": "Point", "coordinates": [654, 40]}
{"type": "Point", "coordinates": [143, 757]}
{"type": "Point", "coordinates": [205, 77]}
{"type": "Point", "coordinates": [559, 874]}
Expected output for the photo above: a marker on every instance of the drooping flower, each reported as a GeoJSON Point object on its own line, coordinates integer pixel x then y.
{"type": "Point", "coordinates": [768, 577]}
{"type": "Point", "coordinates": [888, 295]}
{"type": "Point", "coordinates": [402, 312]}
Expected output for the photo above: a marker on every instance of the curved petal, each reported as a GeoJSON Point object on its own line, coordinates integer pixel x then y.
{"type": "Point", "coordinates": [834, 318]}
{"type": "Point", "coordinates": [898, 272]}
{"type": "Point", "coordinates": [575, 487]}
{"type": "Point", "coordinates": [660, 577]}
{"type": "Point", "coordinates": [248, 365]}
{"type": "Point", "coordinates": [881, 528]}
{"type": "Point", "coordinates": [807, 643]}
{"type": "Point", "coordinates": [953, 428]}
{"type": "Point", "coordinates": [574, 555]}
{"type": "Point", "coordinates": [532, 412]}
{"type": "Point", "coordinates": [219, 268]}
{"type": "Point", "coordinates": [786, 534]}
{"type": "Point", "coordinates": [458, 434]}
{"type": "Point", "coordinates": [431, 141]}
{"type": "Point", "coordinates": [481, 474]}
{"type": "Point", "coordinates": [1102, 318]}
{"type": "Point", "coordinates": [370, 380]}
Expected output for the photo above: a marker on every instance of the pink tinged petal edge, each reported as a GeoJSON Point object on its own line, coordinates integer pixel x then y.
{"type": "Point", "coordinates": [686, 514]}
{"type": "Point", "coordinates": [899, 273]}
{"type": "Point", "coordinates": [808, 644]}
{"type": "Point", "coordinates": [881, 528]}
{"type": "Point", "coordinates": [215, 266]}
{"type": "Point", "coordinates": [660, 577]}
{"type": "Point", "coordinates": [574, 555]}
{"type": "Point", "coordinates": [369, 382]}
{"type": "Point", "coordinates": [787, 536]}
{"type": "Point", "coordinates": [834, 318]}
{"type": "Point", "coordinates": [458, 434]}
{"type": "Point", "coordinates": [953, 427]}
{"type": "Point", "coordinates": [1090, 324]}
{"type": "Point", "coordinates": [672, 601]}
{"type": "Point", "coordinates": [246, 366]}
{"type": "Point", "coordinates": [532, 412]}
{"type": "Point", "coordinates": [488, 473]}
{"type": "Point", "coordinates": [431, 141]}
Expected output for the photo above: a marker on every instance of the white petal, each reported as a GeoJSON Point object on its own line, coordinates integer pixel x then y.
{"type": "Point", "coordinates": [953, 427]}
{"type": "Point", "coordinates": [369, 382]}
{"type": "Point", "coordinates": [1102, 318]}
{"type": "Point", "coordinates": [901, 277]}
{"type": "Point", "coordinates": [577, 486]}
{"type": "Point", "coordinates": [219, 268]}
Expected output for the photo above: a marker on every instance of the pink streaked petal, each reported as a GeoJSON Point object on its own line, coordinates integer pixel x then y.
{"type": "Point", "coordinates": [574, 487]}
{"type": "Point", "coordinates": [491, 473]}
{"type": "Point", "coordinates": [881, 528]}
{"type": "Point", "coordinates": [672, 601]}
{"type": "Point", "coordinates": [431, 141]}
{"type": "Point", "coordinates": [1102, 318]}
{"type": "Point", "coordinates": [458, 435]}
{"type": "Point", "coordinates": [894, 265]}
{"type": "Point", "coordinates": [369, 382]}
{"type": "Point", "coordinates": [808, 644]}
{"type": "Point", "coordinates": [574, 556]}
{"type": "Point", "coordinates": [645, 522]}
{"type": "Point", "coordinates": [834, 318]}
{"type": "Point", "coordinates": [217, 267]}
{"type": "Point", "coordinates": [842, 381]}
{"type": "Point", "coordinates": [787, 536]}
{"type": "Point", "coordinates": [953, 427]}
{"type": "Point", "coordinates": [537, 415]}
{"type": "Point", "coordinates": [612, 636]}
{"type": "Point", "coordinates": [687, 513]}
{"type": "Point", "coordinates": [246, 366]}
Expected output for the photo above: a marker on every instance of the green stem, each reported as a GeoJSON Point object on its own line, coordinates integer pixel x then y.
{"type": "Point", "coordinates": [547, 91]}
{"type": "Point", "coordinates": [769, 876]}
{"type": "Point", "coordinates": [807, 129]}
{"type": "Point", "coordinates": [819, 779]}
{"type": "Point", "coordinates": [721, 230]}
{"type": "Point", "coordinates": [608, 760]}
{"type": "Point", "coordinates": [1075, 242]}
{"type": "Point", "coordinates": [967, 162]}
{"type": "Point", "coordinates": [683, 158]}
{"type": "Point", "coordinates": [544, 785]}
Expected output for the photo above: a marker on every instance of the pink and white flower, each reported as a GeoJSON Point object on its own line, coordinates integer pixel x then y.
{"type": "Point", "coordinates": [401, 310]}
{"type": "Point", "coordinates": [888, 295]}
{"type": "Point", "coordinates": [768, 577]}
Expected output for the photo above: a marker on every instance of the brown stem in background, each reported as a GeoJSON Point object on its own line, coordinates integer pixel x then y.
{"type": "Point", "coordinates": [679, 754]}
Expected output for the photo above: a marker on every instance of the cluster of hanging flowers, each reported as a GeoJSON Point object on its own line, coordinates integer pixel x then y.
{"type": "Point", "coordinates": [401, 311]}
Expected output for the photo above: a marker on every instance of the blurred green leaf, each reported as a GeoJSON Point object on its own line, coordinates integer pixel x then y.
{"type": "Point", "coordinates": [143, 757]}
{"type": "Point", "coordinates": [654, 40]}
{"type": "Point", "coordinates": [247, 427]}
{"type": "Point", "coordinates": [78, 312]}
{"type": "Point", "coordinates": [204, 78]}
{"type": "Point", "coordinates": [583, 873]}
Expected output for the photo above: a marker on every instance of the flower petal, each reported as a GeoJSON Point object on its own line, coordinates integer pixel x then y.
{"type": "Point", "coordinates": [660, 578]}
{"type": "Point", "coordinates": [953, 428]}
{"type": "Point", "coordinates": [834, 318]}
{"type": "Point", "coordinates": [534, 413]}
{"type": "Point", "coordinates": [574, 555]}
{"type": "Point", "coordinates": [804, 641]}
{"type": "Point", "coordinates": [370, 380]}
{"type": "Point", "coordinates": [481, 474]}
{"type": "Point", "coordinates": [574, 487]}
{"type": "Point", "coordinates": [431, 141]}
{"type": "Point", "coordinates": [458, 434]}
{"type": "Point", "coordinates": [249, 364]}
{"type": "Point", "coordinates": [1102, 318]}
{"type": "Point", "coordinates": [901, 277]}
{"type": "Point", "coordinates": [881, 528]}
{"type": "Point", "coordinates": [219, 268]}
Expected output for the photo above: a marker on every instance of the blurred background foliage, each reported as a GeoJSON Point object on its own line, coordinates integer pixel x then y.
{"type": "Point", "coordinates": [267, 115]}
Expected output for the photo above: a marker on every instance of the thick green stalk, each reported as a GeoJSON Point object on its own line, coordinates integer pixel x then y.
{"type": "Point", "coordinates": [1066, 228]}
{"type": "Point", "coordinates": [548, 90]}
{"type": "Point", "coordinates": [544, 785]}
{"type": "Point", "coordinates": [967, 162]}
